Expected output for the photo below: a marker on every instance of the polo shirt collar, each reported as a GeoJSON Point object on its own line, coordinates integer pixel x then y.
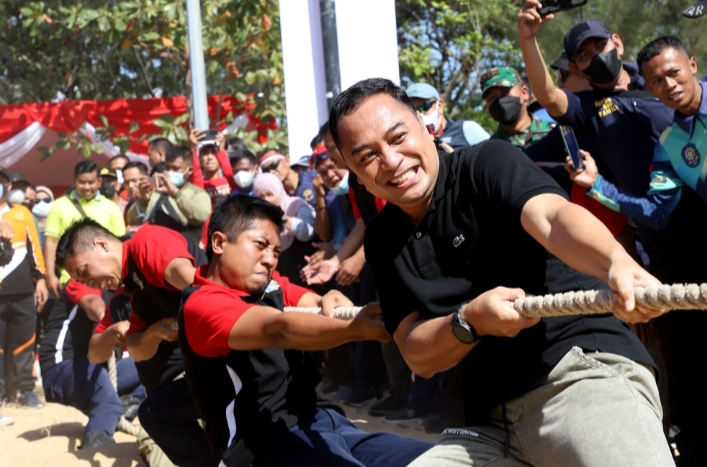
{"type": "Point", "coordinates": [685, 121]}
{"type": "Point", "coordinates": [75, 195]}
{"type": "Point", "coordinates": [126, 253]}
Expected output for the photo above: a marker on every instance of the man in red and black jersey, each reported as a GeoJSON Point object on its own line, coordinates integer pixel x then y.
{"type": "Point", "coordinates": [70, 377]}
{"type": "Point", "coordinates": [153, 266]}
{"type": "Point", "coordinates": [256, 387]}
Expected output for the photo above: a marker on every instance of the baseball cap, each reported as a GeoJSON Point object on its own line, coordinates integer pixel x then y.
{"type": "Point", "coordinates": [302, 161]}
{"type": "Point", "coordinates": [4, 173]}
{"type": "Point", "coordinates": [696, 10]}
{"type": "Point", "coordinates": [17, 177]}
{"type": "Point", "coordinates": [582, 31]}
{"type": "Point", "coordinates": [320, 153]}
{"type": "Point", "coordinates": [422, 91]}
{"type": "Point", "coordinates": [108, 172]}
{"type": "Point", "coordinates": [561, 63]}
{"type": "Point", "coordinates": [499, 77]}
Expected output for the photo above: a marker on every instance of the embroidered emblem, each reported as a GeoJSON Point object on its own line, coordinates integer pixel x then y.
{"type": "Point", "coordinates": [458, 241]}
{"type": "Point", "coordinates": [691, 155]}
{"type": "Point", "coordinates": [19, 216]}
{"type": "Point", "coordinates": [272, 287]}
{"type": "Point", "coordinates": [308, 194]}
{"type": "Point", "coordinates": [138, 281]}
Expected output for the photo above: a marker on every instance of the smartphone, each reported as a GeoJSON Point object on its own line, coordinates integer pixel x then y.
{"type": "Point", "coordinates": [552, 6]}
{"type": "Point", "coordinates": [156, 180]}
{"type": "Point", "coordinates": [572, 147]}
{"type": "Point", "coordinates": [210, 134]}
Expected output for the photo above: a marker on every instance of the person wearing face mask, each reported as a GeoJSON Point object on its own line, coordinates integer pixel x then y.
{"type": "Point", "coordinates": [41, 208]}
{"type": "Point", "coordinates": [455, 134]}
{"type": "Point", "coordinates": [619, 114]}
{"type": "Point", "coordinates": [110, 187]}
{"type": "Point", "coordinates": [244, 165]}
{"type": "Point", "coordinates": [174, 202]}
{"type": "Point", "coordinates": [23, 294]}
{"type": "Point", "coordinates": [506, 98]}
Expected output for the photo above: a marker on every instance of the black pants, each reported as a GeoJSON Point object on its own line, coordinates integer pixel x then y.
{"type": "Point", "coordinates": [169, 416]}
{"type": "Point", "coordinates": [18, 320]}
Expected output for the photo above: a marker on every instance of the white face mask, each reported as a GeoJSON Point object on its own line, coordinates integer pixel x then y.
{"type": "Point", "coordinates": [433, 118]}
{"type": "Point", "coordinates": [16, 196]}
{"type": "Point", "coordinates": [41, 210]}
{"type": "Point", "coordinates": [244, 179]}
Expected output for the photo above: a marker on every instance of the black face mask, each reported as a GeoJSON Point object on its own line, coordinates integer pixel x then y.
{"type": "Point", "coordinates": [604, 68]}
{"type": "Point", "coordinates": [506, 110]}
{"type": "Point", "coordinates": [107, 190]}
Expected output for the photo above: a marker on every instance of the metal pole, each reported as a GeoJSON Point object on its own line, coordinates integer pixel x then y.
{"type": "Point", "coordinates": [330, 42]}
{"type": "Point", "coordinates": [196, 65]}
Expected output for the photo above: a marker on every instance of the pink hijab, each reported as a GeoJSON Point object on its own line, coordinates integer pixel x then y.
{"type": "Point", "coordinates": [289, 204]}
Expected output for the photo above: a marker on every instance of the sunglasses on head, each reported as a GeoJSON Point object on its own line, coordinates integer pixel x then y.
{"type": "Point", "coordinates": [425, 106]}
{"type": "Point", "coordinates": [271, 167]}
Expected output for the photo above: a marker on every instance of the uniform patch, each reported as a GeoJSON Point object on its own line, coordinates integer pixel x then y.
{"type": "Point", "coordinates": [272, 286]}
{"type": "Point", "coordinates": [308, 194]}
{"type": "Point", "coordinates": [691, 155]}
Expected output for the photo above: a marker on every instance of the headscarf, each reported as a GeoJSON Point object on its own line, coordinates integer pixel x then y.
{"type": "Point", "coordinates": [289, 204]}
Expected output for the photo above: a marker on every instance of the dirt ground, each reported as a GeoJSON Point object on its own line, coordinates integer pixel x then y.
{"type": "Point", "coordinates": [49, 437]}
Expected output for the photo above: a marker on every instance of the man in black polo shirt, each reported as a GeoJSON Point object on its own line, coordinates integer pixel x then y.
{"type": "Point", "coordinates": [456, 231]}
{"type": "Point", "coordinates": [154, 265]}
{"type": "Point", "coordinates": [256, 386]}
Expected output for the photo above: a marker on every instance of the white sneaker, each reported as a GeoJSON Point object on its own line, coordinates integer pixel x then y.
{"type": "Point", "coordinates": [4, 421]}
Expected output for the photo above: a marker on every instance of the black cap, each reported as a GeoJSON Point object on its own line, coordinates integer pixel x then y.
{"type": "Point", "coordinates": [561, 63]}
{"type": "Point", "coordinates": [580, 32]}
{"type": "Point", "coordinates": [696, 10]}
{"type": "Point", "coordinates": [4, 173]}
{"type": "Point", "coordinates": [17, 177]}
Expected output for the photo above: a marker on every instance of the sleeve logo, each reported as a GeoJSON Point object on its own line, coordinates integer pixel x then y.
{"type": "Point", "coordinates": [691, 155]}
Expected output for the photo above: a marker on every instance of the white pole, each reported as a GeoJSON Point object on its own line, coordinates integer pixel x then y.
{"type": "Point", "coordinates": [196, 65]}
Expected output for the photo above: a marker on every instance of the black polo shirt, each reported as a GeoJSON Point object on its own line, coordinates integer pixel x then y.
{"type": "Point", "coordinates": [470, 241]}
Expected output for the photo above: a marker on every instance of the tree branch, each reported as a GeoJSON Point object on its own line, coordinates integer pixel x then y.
{"type": "Point", "coordinates": [143, 70]}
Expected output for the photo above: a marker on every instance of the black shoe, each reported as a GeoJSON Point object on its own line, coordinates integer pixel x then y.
{"type": "Point", "coordinates": [30, 399]}
{"type": "Point", "coordinates": [131, 404]}
{"type": "Point", "coordinates": [390, 404]}
{"type": "Point", "coordinates": [93, 439]}
{"type": "Point", "coordinates": [405, 415]}
{"type": "Point", "coordinates": [436, 423]}
{"type": "Point", "coordinates": [361, 397]}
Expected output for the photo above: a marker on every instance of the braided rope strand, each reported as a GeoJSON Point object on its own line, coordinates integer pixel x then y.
{"type": "Point", "coordinates": [123, 425]}
{"type": "Point", "coordinates": [587, 302]}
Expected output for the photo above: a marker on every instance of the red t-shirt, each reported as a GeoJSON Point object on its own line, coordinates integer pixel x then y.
{"type": "Point", "coordinates": [213, 309]}
{"type": "Point", "coordinates": [75, 291]}
{"type": "Point", "coordinates": [152, 249]}
{"type": "Point", "coordinates": [217, 188]}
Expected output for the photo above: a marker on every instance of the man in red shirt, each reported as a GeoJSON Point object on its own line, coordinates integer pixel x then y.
{"type": "Point", "coordinates": [256, 386]}
{"type": "Point", "coordinates": [153, 266]}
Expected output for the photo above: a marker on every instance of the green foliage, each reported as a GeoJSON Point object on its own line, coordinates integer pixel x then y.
{"type": "Point", "coordinates": [104, 49]}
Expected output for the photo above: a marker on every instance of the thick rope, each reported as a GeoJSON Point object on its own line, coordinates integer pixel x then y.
{"type": "Point", "coordinates": [123, 425]}
{"type": "Point", "coordinates": [665, 297]}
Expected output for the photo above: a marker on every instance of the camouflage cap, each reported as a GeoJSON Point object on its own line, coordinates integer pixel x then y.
{"type": "Point", "coordinates": [501, 77]}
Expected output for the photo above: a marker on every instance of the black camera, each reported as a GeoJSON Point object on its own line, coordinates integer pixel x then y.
{"type": "Point", "coordinates": [552, 6]}
{"type": "Point", "coordinates": [6, 252]}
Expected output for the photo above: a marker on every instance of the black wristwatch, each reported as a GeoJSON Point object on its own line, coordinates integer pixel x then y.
{"type": "Point", "coordinates": [462, 330]}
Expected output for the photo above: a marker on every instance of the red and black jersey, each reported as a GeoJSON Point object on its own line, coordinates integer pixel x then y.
{"type": "Point", "coordinates": [246, 398]}
{"type": "Point", "coordinates": [68, 329]}
{"type": "Point", "coordinates": [145, 260]}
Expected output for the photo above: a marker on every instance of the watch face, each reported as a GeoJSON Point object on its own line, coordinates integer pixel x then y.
{"type": "Point", "coordinates": [463, 334]}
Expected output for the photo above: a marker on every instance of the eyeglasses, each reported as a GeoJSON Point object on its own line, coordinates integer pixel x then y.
{"type": "Point", "coordinates": [271, 167]}
{"type": "Point", "coordinates": [425, 106]}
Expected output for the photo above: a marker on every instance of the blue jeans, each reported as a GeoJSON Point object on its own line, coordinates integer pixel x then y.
{"type": "Point", "coordinates": [332, 440]}
{"type": "Point", "coordinates": [81, 384]}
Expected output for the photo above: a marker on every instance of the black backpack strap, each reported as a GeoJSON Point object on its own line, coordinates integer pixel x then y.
{"type": "Point", "coordinates": [78, 207]}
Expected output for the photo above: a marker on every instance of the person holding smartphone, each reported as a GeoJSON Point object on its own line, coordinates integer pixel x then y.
{"type": "Point", "coordinates": [212, 169]}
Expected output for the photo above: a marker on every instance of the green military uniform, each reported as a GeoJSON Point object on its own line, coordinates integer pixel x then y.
{"type": "Point", "coordinates": [531, 135]}
{"type": "Point", "coordinates": [506, 77]}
